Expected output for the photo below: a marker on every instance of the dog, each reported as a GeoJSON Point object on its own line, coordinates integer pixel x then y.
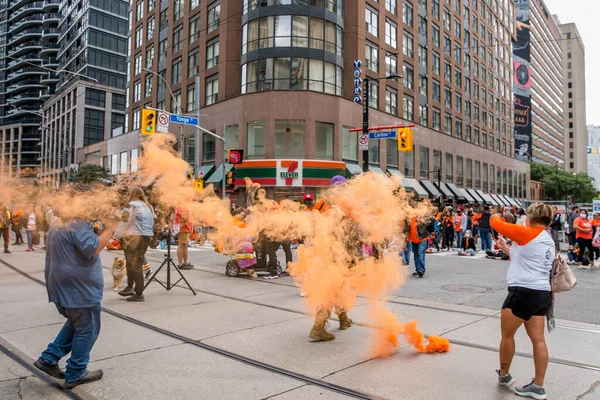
{"type": "Point", "coordinates": [119, 271]}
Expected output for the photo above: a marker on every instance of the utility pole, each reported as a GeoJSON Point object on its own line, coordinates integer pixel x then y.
{"type": "Point", "coordinates": [198, 135]}
{"type": "Point", "coordinates": [365, 127]}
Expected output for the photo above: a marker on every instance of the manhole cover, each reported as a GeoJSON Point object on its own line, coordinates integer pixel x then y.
{"type": "Point", "coordinates": [466, 288]}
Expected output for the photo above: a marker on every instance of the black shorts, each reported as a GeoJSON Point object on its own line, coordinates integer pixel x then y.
{"type": "Point", "coordinates": [525, 303]}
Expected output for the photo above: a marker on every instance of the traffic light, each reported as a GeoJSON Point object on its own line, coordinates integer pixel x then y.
{"type": "Point", "coordinates": [148, 122]}
{"type": "Point", "coordinates": [405, 142]}
{"type": "Point", "coordinates": [198, 184]}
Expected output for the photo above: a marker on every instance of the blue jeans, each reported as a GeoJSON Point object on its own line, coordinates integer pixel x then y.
{"type": "Point", "coordinates": [77, 337]}
{"type": "Point", "coordinates": [458, 236]}
{"type": "Point", "coordinates": [486, 239]}
{"type": "Point", "coordinates": [419, 250]}
{"type": "Point", "coordinates": [405, 253]}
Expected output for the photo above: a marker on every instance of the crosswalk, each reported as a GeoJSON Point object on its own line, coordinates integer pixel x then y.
{"type": "Point", "coordinates": [453, 253]}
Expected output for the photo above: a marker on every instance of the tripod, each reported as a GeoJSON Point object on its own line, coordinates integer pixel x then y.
{"type": "Point", "coordinates": [168, 262]}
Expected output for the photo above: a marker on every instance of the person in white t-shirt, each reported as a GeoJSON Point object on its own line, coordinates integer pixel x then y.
{"type": "Point", "coordinates": [31, 229]}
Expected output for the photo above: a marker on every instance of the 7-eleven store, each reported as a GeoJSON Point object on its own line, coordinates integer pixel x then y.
{"type": "Point", "coordinates": [287, 178]}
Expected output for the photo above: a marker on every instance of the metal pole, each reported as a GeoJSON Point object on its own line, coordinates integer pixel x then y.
{"type": "Point", "coordinates": [197, 136]}
{"type": "Point", "coordinates": [556, 180]}
{"type": "Point", "coordinates": [224, 163]}
{"type": "Point", "coordinates": [365, 130]}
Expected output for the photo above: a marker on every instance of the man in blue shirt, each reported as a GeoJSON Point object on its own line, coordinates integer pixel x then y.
{"type": "Point", "coordinates": [75, 283]}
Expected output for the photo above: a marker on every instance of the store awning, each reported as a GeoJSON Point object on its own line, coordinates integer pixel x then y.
{"type": "Point", "coordinates": [500, 200]}
{"type": "Point", "coordinates": [434, 193]}
{"type": "Point", "coordinates": [486, 197]}
{"type": "Point", "coordinates": [352, 169]}
{"type": "Point", "coordinates": [458, 193]}
{"type": "Point", "coordinates": [512, 201]}
{"type": "Point", "coordinates": [414, 186]}
{"type": "Point", "coordinates": [446, 193]}
{"type": "Point", "coordinates": [506, 201]}
{"type": "Point", "coordinates": [519, 202]}
{"type": "Point", "coordinates": [475, 195]}
{"type": "Point", "coordinates": [206, 171]}
{"type": "Point", "coordinates": [217, 176]}
{"type": "Point", "coordinates": [467, 195]}
{"type": "Point", "coordinates": [378, 171]}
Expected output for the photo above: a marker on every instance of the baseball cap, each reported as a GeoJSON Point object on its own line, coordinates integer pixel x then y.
{"type": "Point", "coordinates": [308, 196]}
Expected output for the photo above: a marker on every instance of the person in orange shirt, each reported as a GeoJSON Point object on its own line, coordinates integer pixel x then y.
{"type": "Point", "coordinates": [418, 234]}
{"type": "Point", "coordinates": [595, 228]}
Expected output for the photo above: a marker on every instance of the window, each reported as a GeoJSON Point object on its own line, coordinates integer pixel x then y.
{"type": "Point", "coordinates": [212, 53]}
{"type": "Point", "coordinates": [176, 71]}
{"type": "Point", "coordinates": [290, 137]}
{"type": "Point", "coordinates": [95, 97]}
{"type": "Point", "coordinates": [457, 77]}
{"type": "Point", "coordinates": [435, 9]}
{"type": "Point", "coordinates": [139, 36]}
{"type": "Point", "coordinates": [373, 94]}
{"type": "Point", "coordinates": [447, 97]}
{"type": "Point", "coordinates": [232, 136]}
{"type": "Point", "coordinates": [150, 28]}
{"type": "Point", "coordinates": [446, 18]}
{"type": "Point", "coordinates": [447, 71]}
{"type": "Point", "coordinates": [407, 45]}
{"type": "Point", "coordinates": [435, 63]}
{"type": "Point", "coordinates": [214, 16]}
{"type": "Point", "coordinates": [176, 102]}
{"type": "Point", "coordinates": [192, 63]}
{"type": "Point", "coordinates": [349, 144]}
{"type": "Point", "coordinates": [163, 19]}
{"type": "Point", "coordinates": [437, 163]}
{"type": "Point", "coordinates": [117, 121]}
{"type": "Point", "coordinates": [391, 101]}
{"type": "Point", "coordinates": [177, 9]}
{"type": "Point", "coordinates": [409, 164]}
{"type": "Point", "coordinates": [448, 124]}
{"type": "Point", "coordinates": [423, 56]}
{"type": "Point", "coordinates": [391, 33]}
{"type": "Point", "coordinates": [458, 128]}
{"type": "Point", "coordinates": [162, 50]}
{"type": "Point", "coordinates": [137, 64]}
{"type": "Point", "coordinates": [209, 148]}
{"type": "Point", "coordinates": [93, 128]}
{"type": "Point", "coordinates": [423, 85]}
{"type": "Point", "coordinates": [407, 14]}
{"type": "Point", "coordinates": [323, 141]}
{"type": "Point", "coordinates": [423, 115]}
{"type": "Point", "coordinates": [371, 18]}
{"type": "Point", "coordinates": [390, 5]}
{"type": "Point", "coordinates": [469, 174]}
{"type": "Point", "coordinates": [424, 162]}
{"type": "Point", "coordinates": [391, 153]}
{"type": "Point", "coordinates": [447, 45]}
{"type": "Point", "coordinates": [423, 27]}
{"type": "Point", "coordinates": [484, 140]}
{"type": "Point", "coordinates": [212, 89]}
{"type": "Point", "coordinates": [139, 7]}
{"type": "Point", "coordinates": [459, 171]}
{"type": "Point", "coordinates": [194, 4]}
{"type": "Point", "coordinates": [255, 139]}
{"type": "Point", "coordinates": [118, 102]}
{"type": "Point", "coordinates": [435, 90]}
{"type": "Point", "coordinates": [484, 176]}
{"type": "Point", "coordinates": [408, 76]}
{"type": "Point", "coordinates": [148, 86]}
{"type": "Point", "coordinates": [372, 57]}
{"type": "Point", "coordinates": [458, 103]}
{"type": "Point", "coordinates": [408, 108]}
{"type": "Point", "coordinates": [457, 28]}
{"type": "Point", "coordinates": [449, 168]}
{"type": "Point", "coordinates": [476, 136]}
{"type": "Point", "coordinates": [435, 35]}
{"type": "Point", "coordinates": [374, 151]}
{"type": "Point", "coordinates": [191, 99]}
{"type": "Point", "coordinates": [150, 5]}
{"type": "Point", "coordinates": [391, 64]}
{"type": "Point", "coordinates": [177, 38]}
{"type": "Point", "coordinates": [149, 56]}
{"type": "Point", "coordinates": [194, 33]}
{"type": "Point", "coordinates": [437, 119]}
{"type": "Point", "coordinates": [123, 169]}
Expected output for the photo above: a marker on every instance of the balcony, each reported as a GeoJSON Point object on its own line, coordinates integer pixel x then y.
{"type": "Point", "coordinates": [25, 47]}
{"type": "Point", "coordinates": [50, 33]}
{"type": "Point", "coordinates": [50, 5]}
{"type": "Point", "coordinates": [32, 33]}
{"type": "Point", "coordinates": [23, 98]}
{"type": "Point", "coordinates": [31, 8]}
{"type": "Point", "coordinates": [21, 86]}
{"type": "Point", "coordinates": [22, 110]}
{"type": "Point", "coordinates": [25, 22]}
{"type": "Point", "coordinates": [48, 78]}
{"type": "Point", "coordinates": [51, 17]}
{"type": "Point", "coordinates": [16, 4]}
{"type": "Point", "coordinates": [49, 48]}
{"type": "Point", "coordinates": [44, 94]}
{"type": "Point", "coordinates": [50, 62]}
{"type": "Point", "coordinates": [24, 60]}
{"type": "Point", "coordinates": [29, 71]}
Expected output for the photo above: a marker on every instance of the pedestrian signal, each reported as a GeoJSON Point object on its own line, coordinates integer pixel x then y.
{"type": "Point", "coordinates": [148, 122]}
{"type": "Point", "coordinates": [198, 184]}
{"type": "Point", "coordinates": [405, 142]}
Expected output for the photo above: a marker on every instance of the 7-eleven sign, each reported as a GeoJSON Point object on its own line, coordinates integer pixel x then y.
{"type": "Point", "coordinates": [289, 173]}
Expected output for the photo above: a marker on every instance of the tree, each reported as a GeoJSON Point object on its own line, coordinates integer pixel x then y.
{"type": "Point", "coordinates": [561, 184]}
{"type": "Point", "coordinates": [91, 173]}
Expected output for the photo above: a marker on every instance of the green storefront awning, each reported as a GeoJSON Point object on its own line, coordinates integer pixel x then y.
{"type": "Point", "coordinates": [378, 171]}
{"type": "Point", "coordinates": [353, 169]}
{"type": "Point", "coordinates": [217, 176]}
{"type": "Point", "coordinates": [206, 171]}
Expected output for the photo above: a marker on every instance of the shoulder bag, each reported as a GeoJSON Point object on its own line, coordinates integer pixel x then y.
{"type": "Point", "coordinates": [562, 278]}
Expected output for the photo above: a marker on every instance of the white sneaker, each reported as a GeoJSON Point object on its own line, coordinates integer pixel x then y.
{"type": "Point", "coordinates": [303, 294]}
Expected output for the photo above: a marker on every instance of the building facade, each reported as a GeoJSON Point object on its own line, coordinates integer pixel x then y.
{"type": "Point", "coordinates": [277, 81]}
{"type": "Point", "coordinates": [593, 154]}
{"type": "Point", "coordinates": [89, 103]}
{"type": "Point", "coordinates": [28, 48]}
{"type": "Point", "coordinates": [574, 67]}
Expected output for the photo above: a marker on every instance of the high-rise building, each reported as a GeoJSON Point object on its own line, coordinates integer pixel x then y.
{"type": "Point", "coordinates": [277, 81]}
{"type": "Point", "coordinates": [539, 86]}
{"type": "Point", "coordinates": [593, 154]}
{"type": "Point", "coordinates": [28, 48]}
{"type": "Point", "coordinates": [574, 67]}
{"type": "Point", "coordinates": [89, 104]}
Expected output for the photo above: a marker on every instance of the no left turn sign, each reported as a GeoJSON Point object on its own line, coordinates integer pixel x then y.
{"type": "Point", "coordinates": [163, 122]}
{"type": "Point", "coordinates": [363, 142]}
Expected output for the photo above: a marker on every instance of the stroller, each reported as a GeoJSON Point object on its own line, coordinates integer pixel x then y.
{"type": "Point", "coordinates": [254, 260]}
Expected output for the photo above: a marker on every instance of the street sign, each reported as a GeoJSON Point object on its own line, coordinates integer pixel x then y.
{"type": "Point", "coordinates": [596, 205]}
{"type": "Point", "coordinates": [162, 122]}
{"type": "Point", "coordinates": [357, 81]}
{"type": "Point", "coordinates": [182, 119]}
{"type": "Point", "coordinates": [383, 135]}
{"type": "Point", "coordinates": [363, 142]}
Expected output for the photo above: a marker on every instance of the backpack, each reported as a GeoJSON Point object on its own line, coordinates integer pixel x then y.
{"type": "Point", "coordinates": [562, 279]}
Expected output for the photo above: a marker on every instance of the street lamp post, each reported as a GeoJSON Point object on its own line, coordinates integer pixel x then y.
{"type": "Point", "coordinates": [365, 127]}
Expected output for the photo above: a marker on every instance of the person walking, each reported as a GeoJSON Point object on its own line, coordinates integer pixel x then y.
{"type": "Point", "coordinates": [74, 282]}
{"type": "Point", "coordinates": [484, 229]}
{"type": "Point", "coordinates": [17, 225]}
{"type": "Point", "coordinates": [136, 240]}
{"type": "Point", "coordinates": [31, 229]}
{"type": "Point", "coordinates": [448, 229]}
{"type": "Point", "coordinates": [418, 235]}
{"type": "Point", "coordinates": [529, 300]}
{"type": "Point", "coordinates": [5, 226]}
{"type": "Point", "coordinates": [584, 235]}
{"type": "Point", "coordinates": [555, 227]}
{"type": "Point", "coordinates": [572, 233]}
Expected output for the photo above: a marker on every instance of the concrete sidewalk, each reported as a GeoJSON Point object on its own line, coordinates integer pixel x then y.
{"type": "Point", "coordinates": [267, 321]}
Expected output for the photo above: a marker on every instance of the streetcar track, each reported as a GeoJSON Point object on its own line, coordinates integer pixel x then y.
{"type": "Point", "coordinates": [234, 356]}
{"type": "Point", "coordinates": [369, 326]}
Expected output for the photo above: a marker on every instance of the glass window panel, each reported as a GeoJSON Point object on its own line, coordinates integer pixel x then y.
{"type": "Point", "coordinates": [290, 138]}
{"type": "Point", "coordinates": [255, 133]}
{"type": "Point", "coordinates": [349, 144]}
{"type": "Point", "coordinates": [324, 141]}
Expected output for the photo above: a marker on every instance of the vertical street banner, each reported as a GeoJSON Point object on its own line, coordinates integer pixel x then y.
{"type": "Point", "coordinates": [522, 83]}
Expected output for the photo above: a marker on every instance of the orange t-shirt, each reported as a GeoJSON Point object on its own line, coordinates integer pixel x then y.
{"type": "Point", "coordinates": [413, 236]}
{"type": "Point", "coordinates": [583, 224]}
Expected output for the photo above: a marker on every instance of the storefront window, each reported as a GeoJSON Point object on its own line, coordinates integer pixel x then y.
{"type": "Point", "coordinates": [349, 144]}
{"type": "Point", "coordinates": [324, 141]}
{"type": "Point", "coordinates": [437, 162]}
{"type": "Point", "coordinates": [424, 162]}
{"type": "Point", "coordinates": [459, 171]}
{"type": "Point", "coordinates": [189, 146]}
{"type": "Point", "coordinates": [392, 153]}
{"type": "Point", "coordinates": [409, 164]}
{"type": "Point", "coordinates": [255, 133]}
{"type": "Point", "coordinates": [209, 148]}
{"type": "Point", "coordinates": [449, 168]}
{"type": "Point", "coordinates": [232, 136]}
{"type": "Point", "coordinates": [134, 160]}
{"type": "Point", "coordinates": [374, 152]}
{"type": "Point", "coordinates": [290, 138]}
{"type": "Point", "coordinates": [123, 162]}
